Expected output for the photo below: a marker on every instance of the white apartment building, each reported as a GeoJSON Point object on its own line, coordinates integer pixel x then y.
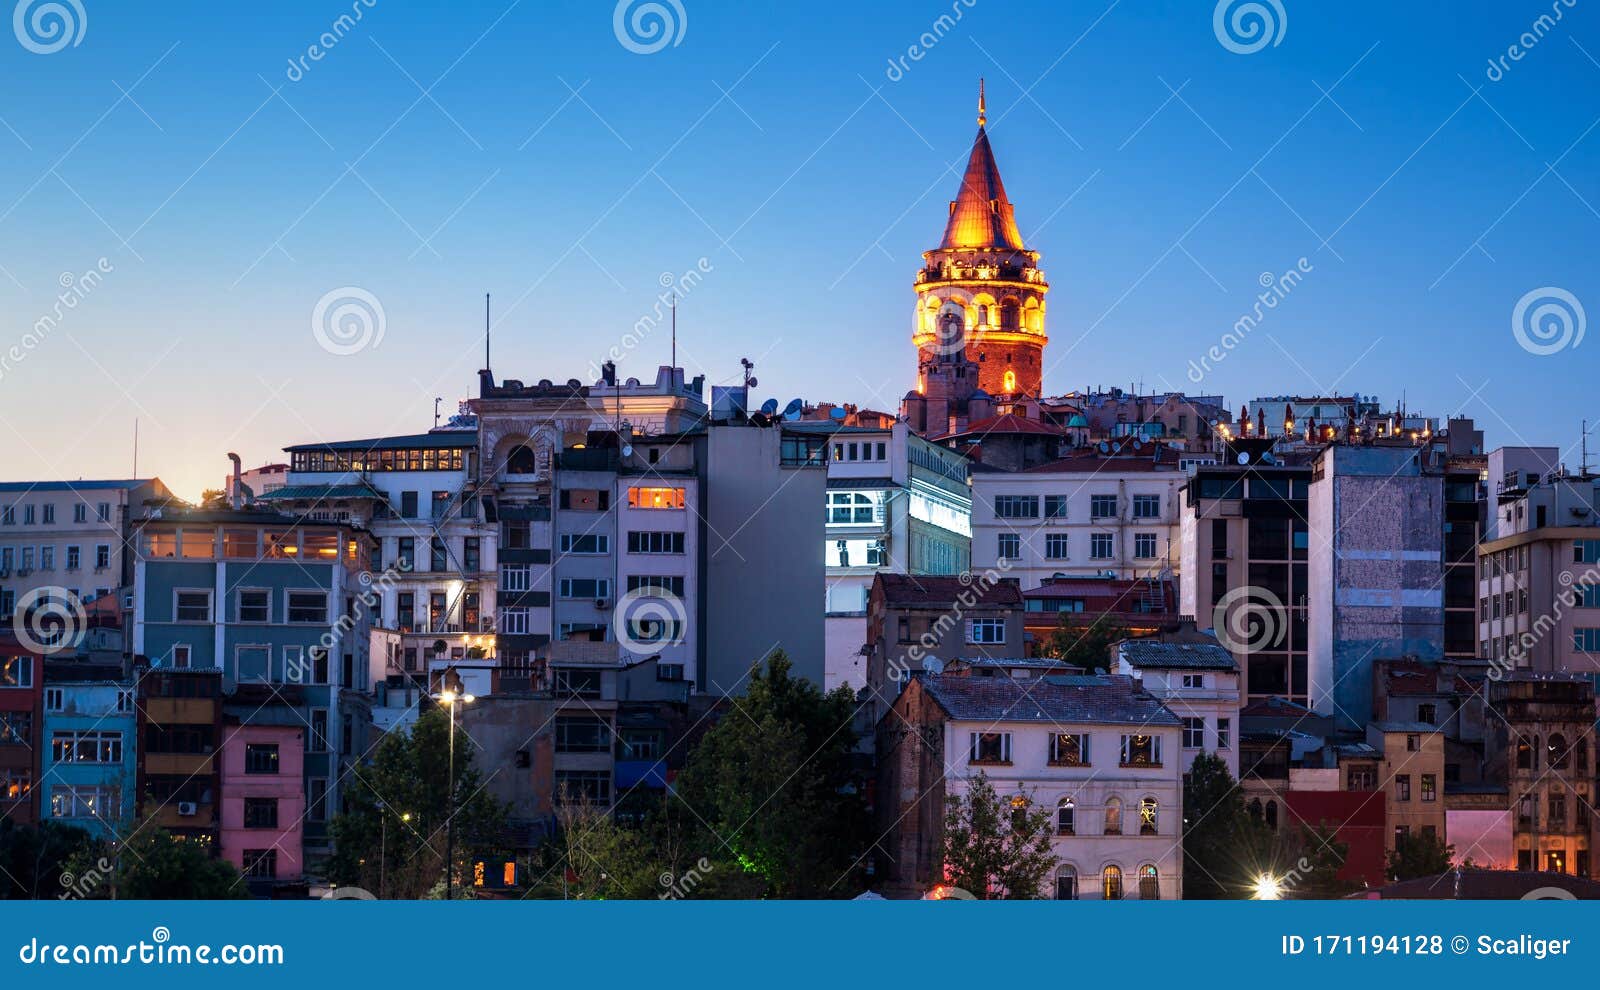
{"type": "Point", "coordinates": [1112, 512]}
{"type": "Point", "coordinates": [1101, 753]}
{"type": "Point", "coordinates": [1199, 683]}
{"type": "Point", "coordinates": [68, 534]}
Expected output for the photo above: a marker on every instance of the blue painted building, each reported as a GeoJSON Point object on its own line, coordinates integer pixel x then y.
{"type": "Point", "coordinates": [87, 751]}
{"type": "Point", "coordinates": [282, 607]}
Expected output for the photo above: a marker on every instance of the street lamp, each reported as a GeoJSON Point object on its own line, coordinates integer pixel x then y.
{"type": "Point", "coordinates": [450, 699]}
{"type": "Point", "coordinates": [383, 845]}
{"type": "Point", "coordinates": [1268, 888]}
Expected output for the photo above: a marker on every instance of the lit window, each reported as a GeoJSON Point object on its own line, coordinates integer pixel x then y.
{"type": "Point", "coordinates": [655, 498]}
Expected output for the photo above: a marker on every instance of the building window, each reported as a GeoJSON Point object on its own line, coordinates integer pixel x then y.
{"type": "Point", "coordinates": [1148, 823]}
{"type": "Point", "coordinates": [1195, 681]}
{"type": "Point", "coordinates": [1016, 506]}
{"type": "Point", "coordinates": [1144, 546]}
{"type": "Point", "coordinates": [1194, 733]}
{"type": "Point", "coordinates": [317, 798]}
{"type": "Point", "coordinates": [54, 699]}
{"type": "Point", "coordinates": [1102, 546]}
{"type": "Point", "coordinates": [1066, 817]}
{"type": "Point", "coordinates": [1055, 507]}
{"type": "Point", "coordinates": [102, 556]}
{"type": "Point", "coordinates": [16, 728]}
{"type": "Point", "coordinates": [1402, 787]}
{"type": "Point", "coordinates": [1147, 507]}
{"type": "Point", "coordinates": [308, 606]}
{"type": "Point", "coordinates": [514, 621]}
{"type": "Point", "coordinates": [655, 542]}
{"type": "Point", "coordinates": [86, 747]}
{"type": "Point", "coordinates": [655, 498]}
{"type": "Point", "coordinates": [1066, 884]}
{"type": "Point", "coordinates": [1430, 787]}
{"type": "Point", "coordinates": [1102, 506]}
{"type": "Point", "coordinates": [990, 747]}
{"type": "Point", "coordinates": [261, 758]}
{"type": "Point", "coordinates": [192, 606]}
{"type": "Point", "coordinates": [515, 577]}
{"type": "Point", "coordinates": [1069, 749]}
{"type": "Point", "coordinates": [1009, 546]}
{"type": "Point", "coordinates": [583, 786]}
{"type": "Point", "coordinates": [1111, 883]}
{"type": "Point", "coordinates": [260, 812]}
{"type": "Point", "coordinates": [100, 803]}
{"type": "Point", "coordinates": [585, 543]}
{"type": "Point", "coordinates": [850, 508]}
{"type": "Point", "coordinates": [1224, 733]}
{"type": "Point", "coordinates": [1113, 822]}
{"type": "Point", "coordinates": [582, 734]}
{"type": "Point", "coordinates": [1141, 750]}
{"type": "Point", "coordinates": [1428, 713]}
{"type": "Point", "coordinates": [261, 864]}
{"type": "Point", "coordinates": [596, 588]}
{"type": "Point", "coordinates": [986, 631]}
{"type": "Point", "coordinates": [254, 605]}
{"type": "Point", "coordinates": [16, 672]}
{"type": "Point", "coordinates": [318, 742]}
{"type": "Point", "coordinates": [1149, 883]}
{"type": "Point", "coordinates": [1055, 546]}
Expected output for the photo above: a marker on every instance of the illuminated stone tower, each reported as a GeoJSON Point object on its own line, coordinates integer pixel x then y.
{"type": "Point", "coordinates": [981, 289]}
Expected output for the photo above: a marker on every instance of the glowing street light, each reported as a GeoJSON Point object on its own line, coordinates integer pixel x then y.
{"type": "Point", "coordinates": [1268, 888]}
{"type": "Point", "coordinates": [451, 699]}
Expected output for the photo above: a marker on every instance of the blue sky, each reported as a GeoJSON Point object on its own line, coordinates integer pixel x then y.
{"type": "Point", "coordinates": [554, 167]}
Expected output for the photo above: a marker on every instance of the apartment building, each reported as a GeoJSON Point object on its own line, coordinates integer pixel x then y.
{"type": "Point", "coordinates": [1108, 510]}
{"type": "Point", "coordinates": [87, 752]}
{"type": "Point", "coordinates": [21, 697]}
{"type": "Point", "coordinates": [923, 622]}
{"type": "Point", "coordinates": [263, 796]}
{"type": "Point", "coordinates": [1099, 751]}
{"type": "Point", "coordinates": [177, 770]}
{"type": "Point", "coordinates": [1410, 763]}
{"type": "Point", "coordinates": [70, 535]}
{"type": "Point", "coordinates": [1544, 735]}
{"type": "Point", "coordinates": [1197, 682]}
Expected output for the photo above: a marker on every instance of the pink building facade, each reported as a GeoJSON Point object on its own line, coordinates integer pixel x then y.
{"type": "Point", "coordinates": [263, 803]}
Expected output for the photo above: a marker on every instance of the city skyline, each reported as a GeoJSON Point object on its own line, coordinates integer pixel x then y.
{"type": "Point", "coordinates": [798, 170]}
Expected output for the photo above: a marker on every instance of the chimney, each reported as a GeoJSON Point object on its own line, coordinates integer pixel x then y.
{"type": "Point", "coordinates": [608, 373]}
{"type": "Point", "coordinates": [237, 494]}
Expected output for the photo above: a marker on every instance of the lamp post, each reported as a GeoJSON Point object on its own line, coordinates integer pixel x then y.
{"type": "Point", "coordinates": [450, 699]}
{"type": "Point", "coordinates": [383, 846]}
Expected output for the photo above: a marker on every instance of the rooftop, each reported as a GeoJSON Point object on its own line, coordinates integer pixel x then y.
{"type": "Point", "coordinates": [1146, 653]}
{"type": "Point", "coordinates": [72, 486]}
{"type": "Point", "coordinates": [937, 590]}
{"type": "Point", "coordinates": [438, 438]}
{"type": "Point", "coordinates": [1052, 700]}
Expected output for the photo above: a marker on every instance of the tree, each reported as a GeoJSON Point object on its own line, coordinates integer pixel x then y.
{"type": "Point", "coordinates": [996, 848]}
{"type": "Point", "coordinates": [152, 864]}
{"type": "Point", "coordinates": [1085, 644]}
{"type": "Point", "coordinates": [1217, 833]}
{"type": "Point", "coordinates": [377, 847]}
{"type": "Point", "coordinates": [214, 498]}
{"type": "Point", "coordinates": [602, 859]}
{"type": "Point", "coordinates": [774, 786]}
{"type": "Point", "coordinates": [1420, 854]}
{"type": "Point", "coordinates": [33, 858]}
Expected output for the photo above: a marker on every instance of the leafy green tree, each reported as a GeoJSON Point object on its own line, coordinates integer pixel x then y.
{"type": "Point", "coordinates": [152, 864]}
{"type": "Point", "coordinates": [602, 859]}
{"type": "Point", "coordinates": [1420, 854]}
{"type": "Point", "coordinates": [997, 848]}
{"type": "Point", "coordinates": [392, 835]}
{"type": "Point", "coordinates": [775, 787]}
{"type": "Point", "coordinates": [1085, 644]}
{"type": "Point", "coordinates": [1218, 834]}
{"type": "Point", "coordinates": [32, 858]}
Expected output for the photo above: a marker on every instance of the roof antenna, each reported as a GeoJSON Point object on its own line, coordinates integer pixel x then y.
{"type": "Point", "coordinates": [486, 329]}
{"type": "Point", "coordinates": [983, 107]}
{"type": "Point", "coordinates": [674, 336]}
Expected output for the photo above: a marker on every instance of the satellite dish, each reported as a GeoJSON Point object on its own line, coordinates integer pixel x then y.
{"type": "Point", "coordinates": [836, 413]}
{"type": "Point", "coordinates": [752, 383]}
{"type": "Point", "coordinates": [1243, 458]}
{"type": "Point", "coordinates": [769, 407]}
{"type": "Point", "coordinates": [791, 411]}
{"type": "Point", "coordinates": [1267, 458]}
{"type": "Point", "coordinates": [932, 665]}
{"type": "Point", "coordinates": [1138, 444]}
{"type": "Point", "coordinates": [1103, 447]}
{"type": "Point", "coordinates": [627, 450]}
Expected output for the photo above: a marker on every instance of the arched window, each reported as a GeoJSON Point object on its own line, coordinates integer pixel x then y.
{"type": "Point", "coordinates": [1524, 753]}
{"type": "Point", "coordinates": [1111, 883]}
{"type": "Point", "coordinates": [1009, 383]}
{"type": "Point", "coordinates": [522, 461]}
{"type": "Point", "coordinates": [1019, 813]}
{"type": "Point", "coordinates": [1113, 816]}
{"type": "Point", "coordinates": [983, 315]}
{"type": "Point", "coordinates": [1147, 816]}
{"type": "Point", "coordinates": [1272, 815]}
{"type": "Point", "coordinates": [1149, 883]}
{"type": "Point", "coordinates": [1009, 315]}
{"type": "Point", "coordinates": [1558, 751]}
{"type": "Point", "coordinates": [1066, 884]}
{"type": "Point", "coordinates": [1255, 809]}
{"type": "Point", "coordinates": [1066, 817]}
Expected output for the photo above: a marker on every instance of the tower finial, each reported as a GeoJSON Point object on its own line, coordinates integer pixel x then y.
{"type": "Point", "coordinates": [983, 110]}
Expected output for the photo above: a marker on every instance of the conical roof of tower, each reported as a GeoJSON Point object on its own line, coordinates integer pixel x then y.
{"type": "Point", "coordinates": [981, 216]}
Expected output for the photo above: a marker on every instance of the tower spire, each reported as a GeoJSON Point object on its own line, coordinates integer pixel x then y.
{"type": "Point", "coordinates": [983, 107]}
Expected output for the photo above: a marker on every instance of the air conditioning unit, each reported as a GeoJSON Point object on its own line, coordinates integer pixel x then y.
{"type": "Point", "coordinates": [602, 603]}
{"type": "Point", "coordinates": [187, 809]}
{"type": "Point", "coordinates": [24, 571]}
